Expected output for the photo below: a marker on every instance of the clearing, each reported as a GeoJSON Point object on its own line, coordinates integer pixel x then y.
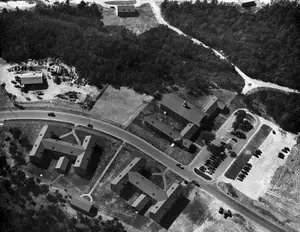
{"type": "Point", "coordinates": [137, 25]}
{"type": "Point", "coordinates": [67, 87]}
{"type": "Point", "coordinates": [120, 105]}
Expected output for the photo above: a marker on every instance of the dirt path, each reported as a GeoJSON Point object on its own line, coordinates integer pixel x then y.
{"type": "Point", "coordinates": [250, 84]}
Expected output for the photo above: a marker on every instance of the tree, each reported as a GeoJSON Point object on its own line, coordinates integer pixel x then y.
{"type": "Point", "coordinates": [57, 80]}
{"type": "Point", "coordinates": [208, 137]}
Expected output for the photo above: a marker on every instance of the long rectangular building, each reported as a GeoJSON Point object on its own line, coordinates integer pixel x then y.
{"type": "Point", "coordinates": [163, 129]}
{"type": "Point", "coordinates": [178, 107]}
{"type": "Point", "coordinates": [32, 78]}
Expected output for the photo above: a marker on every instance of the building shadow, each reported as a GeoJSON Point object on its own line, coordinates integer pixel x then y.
{"type": "Point", "coordinates": [128, 191]}
{"type": "Point", "coordinates": [93, 162]}
{"type": "Point", "coordinates": [174, 212]}
{"type": "Point", "coordinates": [42, 86]}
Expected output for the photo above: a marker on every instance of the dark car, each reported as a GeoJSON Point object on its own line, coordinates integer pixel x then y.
{"type": "Point", "coordinates": [180, 166]}
{"type": "Point", "coordinates": [196, 183]}
{"type": "Point", "coordinates": [90, 125]}
{"type": "Point", "coordinates": [286, 148]}
{"type": "Point", "coordinates": [51, 114]}
{"type": "Point", "coordinates": [14, 82]}
{"type": "Point", "coordinates": [234, 139]}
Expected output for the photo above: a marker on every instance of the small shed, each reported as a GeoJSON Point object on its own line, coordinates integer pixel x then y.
{"type": "Point", "coordinates": [126, 11]}
{"type": "Point", "coordinates": [84, 206]}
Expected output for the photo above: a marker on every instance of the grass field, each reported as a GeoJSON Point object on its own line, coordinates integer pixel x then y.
{"type": "Point", "coordinates": [137, 25]}
{"type": "Point", "coordinates": [5, 102]}
{"type": "Point", "coordinates": [120, 106]}
{"type": "Point", "coordinates": [247, 152]}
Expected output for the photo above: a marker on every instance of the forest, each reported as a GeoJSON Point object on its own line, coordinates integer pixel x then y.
{"type": "Point", "coordinates": [265, 45]}
{"type": "Point", "coordinates": [283, 108]}
{"type": "Point", "coordinates": [149, 62]}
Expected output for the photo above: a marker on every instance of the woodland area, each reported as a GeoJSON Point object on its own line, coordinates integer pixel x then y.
{"type": "Point", "coordinates": [265, 45]}
{"type": "Point", "coordinates": [283, 108]}
{"type": "Point", "coordinates": [149, 62]}
{"type": "Point", "coordinates": [27, 204]}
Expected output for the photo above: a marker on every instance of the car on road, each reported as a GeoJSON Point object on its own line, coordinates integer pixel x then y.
{"type": "Point", "coordinates": [196, 183]}
{"type": "Point", "coordinates": [51, 114]}
{"type": "Point", "coordinates": [90, 125]}
{"type": "Point", "coordinates": [180, 166]}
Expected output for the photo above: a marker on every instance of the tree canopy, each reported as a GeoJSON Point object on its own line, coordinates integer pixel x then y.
{"type": "Point", "coordinates": [149, 62]}
{"type": "Point", "coordinates": [265, 44]}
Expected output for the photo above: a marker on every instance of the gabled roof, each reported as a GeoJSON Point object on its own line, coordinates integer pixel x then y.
{"type": "Point", "coordinates": [147, 186]}
{"type": "Point", "coordinates": [191, 113]}
{"type": "Point", "coordinates": [62, 147]}
{"type": "Point", "coordinates": [164, 128]}
{"type": "Point", "coordinates": [81, 203]}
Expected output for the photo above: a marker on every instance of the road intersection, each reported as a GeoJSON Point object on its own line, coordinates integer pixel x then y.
{"type": "Point", "coordinates": [210, 187]}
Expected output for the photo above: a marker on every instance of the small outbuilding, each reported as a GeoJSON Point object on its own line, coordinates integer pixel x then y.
{"type": "Point", "coordinates": [126, 11]}
{"type": "Point", "coordinates": [248, 3]}
{"type": "Point", "coordinates": [84, 206]}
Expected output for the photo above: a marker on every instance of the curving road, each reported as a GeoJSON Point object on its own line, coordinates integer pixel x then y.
{"type": "Point", "coordinates": [149, 150]}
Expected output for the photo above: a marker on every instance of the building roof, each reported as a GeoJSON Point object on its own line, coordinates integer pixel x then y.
{"type": "Point", "coordinates": [189, 131]}
{"type": "Point", "coordinates": [128, 8]}
{"type": "Point", "coordinates": [187, 143]}
{"type": "Point", "coordinates": [31, 78]}
{"type": "Point", "coordinates": [134, 165]}
{"type": "Point", "coordinates": [174, 192]}
{"type": "Point", "coordinates": [81, 203]}
{"type": "Point", "coordinates": [62, 163]}
{"type": "Point", "coordinates": [147, 186]}
{"type": "Point", "coordinates": [63, 147]}
{"type": "Point", "coordinates": [140, 203]}
{"type": "Point", "coordinates": [209, 103]}
{"type": "Point", "coordinates": [191, 113]}
{"type": "Point", "coordinates": [163, 127]}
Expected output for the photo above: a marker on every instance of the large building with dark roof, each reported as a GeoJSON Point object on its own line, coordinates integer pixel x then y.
{"type": "Point", "coordinates": [126, 11]}
{"type": "Point", "coordinates": [182, 110]}
{"type": "Point", "coordinates": [80, 154]}
{"type": "Point", "coordinates": [162, 201]}
{"type": "Point", "coordinates": [163, 129]}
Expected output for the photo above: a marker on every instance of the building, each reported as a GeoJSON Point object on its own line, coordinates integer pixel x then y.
{"type": "Point", "coordinates": [248, 3]}
{"type": "Point", "coordinates": [182, 110]}
{"type": "Point", "coordinates": [62, 165]}
{"type": "Point", "coordinates": [80, 154]}
{"type": "Point", "coordinates": [131, 175]}
{"type": "Point", "coordinates": [189, 131]}
{"type": "Point", "coordinates": [213, 106]}
{"type": "Point", "coordinates": [32, 78]}
{"type": "Point", "coordinates": [84, 206]}
{"type": "Point", "coordinates": [55, 69]}
{"type": "Point", "coordinates": [163, 129]}
{"type": "Point", "coordinates": [122, 179]}
{"type": "Point", "coordinates": [141, 204]}
{"type": "Point", "coordinates": [126, 11]}
{"type": "Point", "coordinates": [175, 193]}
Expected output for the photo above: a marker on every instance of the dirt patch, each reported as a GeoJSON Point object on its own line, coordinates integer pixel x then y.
{"type": "Point", "coordinates": [120, 106]}
{"type": "Point", "coordinates": [137, 25]}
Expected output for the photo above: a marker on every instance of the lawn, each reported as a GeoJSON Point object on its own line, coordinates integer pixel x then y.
{"type": "Point", "coordinates": [247, 152]}
{"type": "Point", "coordinates": [120, 106]}
{"type": "Point", "coordinates": [137, 25]}
{"type": "Point", "coordinates": [5, 102]}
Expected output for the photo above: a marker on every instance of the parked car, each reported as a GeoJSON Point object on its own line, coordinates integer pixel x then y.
{"type": "Point", "coordinates": [51, 114]}
{"type": "Point", "coordinates": [180, 166]}
{"type": "Point", "coordinates": [286, 148]}
{"type": "Point", "coordinates": [234, 139]}
{"type": "Point", "coordinates": [14, 82]}
{"type": "Point", "coordinates": [90, 125]}
{"type": "Point", "coordinates": [202, 168]}
{"type": "Point", "coordinates": [221, 210]}
{"type": "Point", "coordinates": [196, 183]}
{"type": "Point", "coordinates": [249, 165]}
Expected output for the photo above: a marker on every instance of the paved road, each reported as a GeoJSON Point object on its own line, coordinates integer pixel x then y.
{"type": "Point", "coordinates": [148, 149]}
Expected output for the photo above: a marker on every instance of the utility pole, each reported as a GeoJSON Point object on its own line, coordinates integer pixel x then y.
{"type": "Point", "coordinates": [13, 112]}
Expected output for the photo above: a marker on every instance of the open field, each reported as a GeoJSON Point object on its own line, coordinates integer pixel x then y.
{"type": "Point", "coordinates": [137, 25]}
{"type": "Point", "coordinates": [258, 181]}
{"type": "Point", "coordinates": [138, 128]}
{"type": "Point", "coordinates": [247, 152]}
{"type": "Point", "coordinates": [120, 106]}
{"type": "Point", "coordinates": [284, 189]}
